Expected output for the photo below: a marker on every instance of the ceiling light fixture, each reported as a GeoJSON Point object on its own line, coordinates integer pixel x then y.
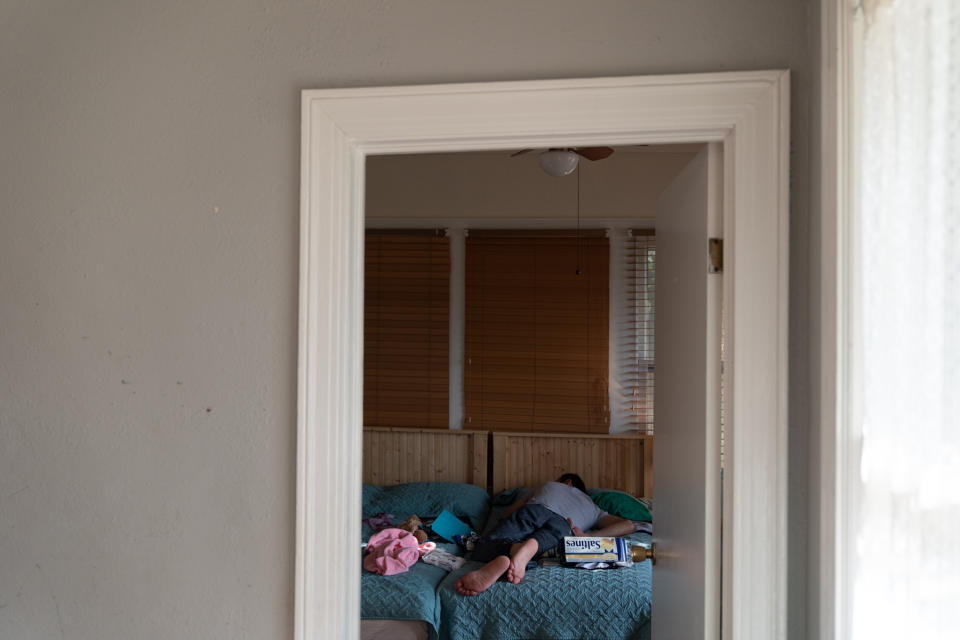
{"type": "Point", "coordinates": [558, 162]}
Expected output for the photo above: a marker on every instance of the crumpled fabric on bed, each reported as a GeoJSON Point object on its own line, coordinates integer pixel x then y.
{"type": "Point", "coordinates": [379, 522]}
{"type": "Point", "coordinates": [391, 551]}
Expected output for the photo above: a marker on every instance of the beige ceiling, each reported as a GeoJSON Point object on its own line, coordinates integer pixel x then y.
{"type": "Point", "coordinates": [492, 184]}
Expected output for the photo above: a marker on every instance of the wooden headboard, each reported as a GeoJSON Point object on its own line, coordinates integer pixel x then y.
{"type": "Point", "coordinates": [622, 462]}
{"type": "Point", "coordinates": [393, 455]}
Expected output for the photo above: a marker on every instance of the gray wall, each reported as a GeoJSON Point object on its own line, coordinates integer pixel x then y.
{"type": "Point", "coordinates": [148, 273]}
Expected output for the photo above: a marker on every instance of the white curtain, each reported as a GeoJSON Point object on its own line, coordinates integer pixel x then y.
{"type": "Point", "coordinates": [906, 331]}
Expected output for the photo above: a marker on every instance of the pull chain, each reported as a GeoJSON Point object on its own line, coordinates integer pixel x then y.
{"type": "Point", "coordinates": [578, 219]}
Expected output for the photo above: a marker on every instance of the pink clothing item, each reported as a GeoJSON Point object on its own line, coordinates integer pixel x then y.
{"type": "Point", "coordinates": [391, 551]}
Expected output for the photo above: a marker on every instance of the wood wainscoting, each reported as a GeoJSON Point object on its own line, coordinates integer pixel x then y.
{"type": "Point", "coordinates": [392, 455]}
{"type": "Point", "coordinates": [623, 462]}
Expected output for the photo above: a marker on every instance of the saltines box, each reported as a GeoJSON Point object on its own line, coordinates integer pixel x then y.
{"type": "Point", "coordinates": [591, 549]}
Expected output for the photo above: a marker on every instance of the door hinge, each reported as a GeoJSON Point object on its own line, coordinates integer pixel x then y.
{"type": "Point", "coordinates": [715, 248]}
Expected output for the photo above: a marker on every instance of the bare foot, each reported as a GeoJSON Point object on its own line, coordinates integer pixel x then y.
{"type": "Point", "coordinates": [479, 580]}
{"type": "Point", "coordinates": [520, 555]}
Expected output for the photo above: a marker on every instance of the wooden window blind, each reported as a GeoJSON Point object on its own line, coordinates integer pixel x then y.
{"type": "Point", "coordinates": [636, 349]}
{"type": "Point", "coordinates": [406, 329]}
{"type": "Point", "coordinates": [537, 334]}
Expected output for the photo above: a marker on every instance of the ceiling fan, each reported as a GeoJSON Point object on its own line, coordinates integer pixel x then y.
{"type": "Point", "coordinates": [560, 161]}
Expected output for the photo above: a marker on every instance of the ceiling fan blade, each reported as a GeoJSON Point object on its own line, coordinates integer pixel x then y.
{"type": "Point", "coordinates": [521, 152]}
{"type": "Point", "coordinates": [594, 153]}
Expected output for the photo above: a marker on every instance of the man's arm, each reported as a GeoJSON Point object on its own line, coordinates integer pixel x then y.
{"type": "Point", "coordinates": [610, 525]}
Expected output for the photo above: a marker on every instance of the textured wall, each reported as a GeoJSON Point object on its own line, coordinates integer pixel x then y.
{"type": "Point", "coordinates": [148, 272]}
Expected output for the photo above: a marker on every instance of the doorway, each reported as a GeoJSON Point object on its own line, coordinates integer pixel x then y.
{"type": "Point", "coordinates": [747, 112]}
{"type": "Point", "coordinates": [422, 211]}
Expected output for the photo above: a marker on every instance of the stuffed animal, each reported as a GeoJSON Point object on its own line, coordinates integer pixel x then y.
{"type": "Point", "coordinates": [413, 524]}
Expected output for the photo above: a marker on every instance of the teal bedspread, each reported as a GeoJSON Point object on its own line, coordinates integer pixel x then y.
{"type": "Point", "coordinates": [552, 602]}
{"type": "Point", "coordinates": [410, 595]}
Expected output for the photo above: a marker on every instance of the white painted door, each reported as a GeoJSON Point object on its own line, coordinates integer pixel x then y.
{"type": "Point", "coordinates": [686, 485]}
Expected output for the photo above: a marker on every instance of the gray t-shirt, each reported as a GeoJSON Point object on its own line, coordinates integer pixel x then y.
{"type": "Point", "coordinates": [568, 502]}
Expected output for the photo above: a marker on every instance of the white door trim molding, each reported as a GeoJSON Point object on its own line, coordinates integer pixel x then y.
{"type": "Point", "coordinates": [747, 111]}
{"type": "Point", "coordinates": [834, 463]}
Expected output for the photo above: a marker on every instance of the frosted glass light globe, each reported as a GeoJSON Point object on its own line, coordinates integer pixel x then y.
{"type": "Point", "coordinates": [558, 163]}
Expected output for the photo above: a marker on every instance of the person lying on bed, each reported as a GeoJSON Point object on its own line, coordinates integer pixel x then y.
{"type": "Point", "coordinates": [531, 528]}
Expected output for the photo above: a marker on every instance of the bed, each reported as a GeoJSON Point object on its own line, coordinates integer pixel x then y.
{"type": "Point", "coordinates": [553, 601]}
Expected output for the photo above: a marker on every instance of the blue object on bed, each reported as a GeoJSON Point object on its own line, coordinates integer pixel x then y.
{"type": "Point", "coordinates": [552, 602]}
{"type": "Point", "coordinates": [448, 526]}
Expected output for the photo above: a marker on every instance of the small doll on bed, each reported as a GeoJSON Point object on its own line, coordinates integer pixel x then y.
{"type": "Point", "coordinates": [531, 528]}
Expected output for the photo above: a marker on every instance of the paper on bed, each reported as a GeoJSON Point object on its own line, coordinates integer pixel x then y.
{"type": "Point", "coordinates": [444, 560]}
{"type": "Point", "coordinates": [448, 525]}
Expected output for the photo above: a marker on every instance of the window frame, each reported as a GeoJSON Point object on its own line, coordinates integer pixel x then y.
{"type": "Point", "coordinates": [829, 580]}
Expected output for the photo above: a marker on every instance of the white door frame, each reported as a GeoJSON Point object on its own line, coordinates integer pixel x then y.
{"type": "Point", "coordinates": [835, 465]}
{"type": "Point", "coordinates": [746, 111]}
